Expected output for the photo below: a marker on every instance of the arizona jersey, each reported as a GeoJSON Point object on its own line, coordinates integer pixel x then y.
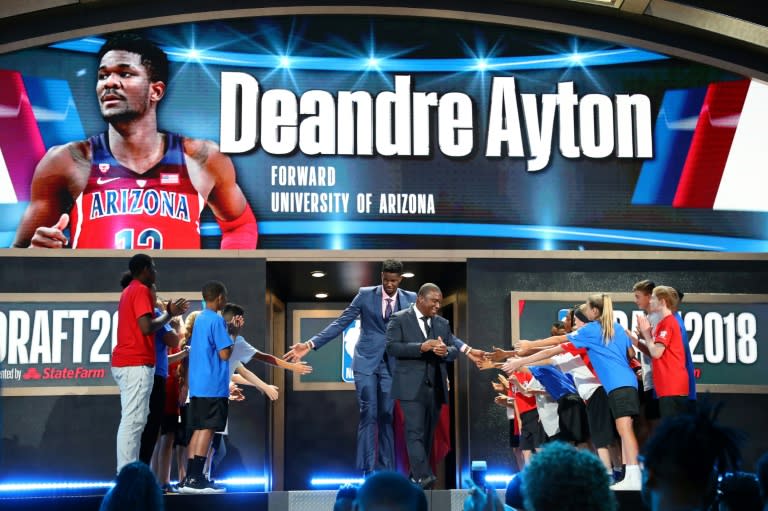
{"type": "Point", "coordinates": [122, 209]}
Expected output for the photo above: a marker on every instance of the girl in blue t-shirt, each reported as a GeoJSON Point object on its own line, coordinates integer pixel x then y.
{"type": "Point", "coordinates": [607, 345]}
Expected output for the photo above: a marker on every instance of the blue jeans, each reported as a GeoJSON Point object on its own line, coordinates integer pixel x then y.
{"type": "Point", "coordinates": [135, 384]}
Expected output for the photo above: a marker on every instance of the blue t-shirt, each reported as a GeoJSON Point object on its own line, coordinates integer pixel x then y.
{"type": "Point", "coordinates": [161, 350]}
{"type": "Point", "coordinates": [208, 373]}
{"type": "Point", "coordinates": [553, 380]}
{"type": "Point", "coordinates": [688, 358]}
{"type": "Point", "coordinates": [609, 360]}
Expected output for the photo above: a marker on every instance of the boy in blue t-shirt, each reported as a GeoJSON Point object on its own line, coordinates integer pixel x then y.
{"type": "Point", "coordinates": [210, 349]}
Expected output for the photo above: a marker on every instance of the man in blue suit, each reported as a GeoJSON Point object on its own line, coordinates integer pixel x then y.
{"type": "Point", "coordinates": [371, 365]}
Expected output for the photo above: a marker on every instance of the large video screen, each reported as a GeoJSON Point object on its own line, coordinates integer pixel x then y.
{"type": "Point", "coordinates": [356, 132]}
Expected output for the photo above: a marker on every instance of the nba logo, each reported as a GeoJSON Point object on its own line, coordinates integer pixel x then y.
{"type": "Point", "coordinates": [103, 167]}
{"type": "Point", "coordinates": [349, 340]}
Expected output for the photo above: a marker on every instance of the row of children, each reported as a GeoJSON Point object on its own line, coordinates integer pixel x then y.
{"type": "Point", "coordinates": [583, 384]}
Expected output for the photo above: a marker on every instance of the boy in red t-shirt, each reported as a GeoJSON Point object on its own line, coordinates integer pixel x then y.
{"type": "Point", "coordinates": [133, 359]}
{"type": "Point", "coordinates": [532, 434]}
{"type": "Point", "coordinates": [665, 347]}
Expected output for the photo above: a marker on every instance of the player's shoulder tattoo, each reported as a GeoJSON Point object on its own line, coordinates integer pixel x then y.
{"type": "Point", "coordinates": [80, 152]}
{"type": "Point", "coordinates": [199, 150]}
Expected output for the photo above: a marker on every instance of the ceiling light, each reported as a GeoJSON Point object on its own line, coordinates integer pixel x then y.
{"type": "Point", "coordinates": [408, 275]}
{"type": "Point", "coordinates": [321, 295]}
{"type": "Point", "coordinates": [318, 274]}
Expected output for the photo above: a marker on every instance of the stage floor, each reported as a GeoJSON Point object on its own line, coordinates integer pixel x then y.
{"type": "Point", "coordinates": [439, 500]}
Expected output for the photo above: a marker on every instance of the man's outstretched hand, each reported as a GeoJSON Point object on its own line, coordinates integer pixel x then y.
{"type": "Point", "coordinates": [297, 352]}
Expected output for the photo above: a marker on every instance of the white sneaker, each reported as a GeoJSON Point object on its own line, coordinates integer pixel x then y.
{"type": "Point", "coordinates": [633, 480]}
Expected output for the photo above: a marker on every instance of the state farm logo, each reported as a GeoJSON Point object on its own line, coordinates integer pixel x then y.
{"type": "Point", "coordinates": [31, 374]}
{"type": "Point", "coordinates": [78, 373]}
{"type": "Point", "coordinates": [65, 373]}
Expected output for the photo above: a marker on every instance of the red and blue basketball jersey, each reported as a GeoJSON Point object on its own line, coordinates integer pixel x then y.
{"type": "Point", "coordinates": [125, 210]}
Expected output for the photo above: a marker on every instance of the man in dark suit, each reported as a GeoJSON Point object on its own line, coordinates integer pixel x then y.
{"type": "Point", "coordinates": [371, 365]}
{"type": "Point", "coordinates": [422, 342]}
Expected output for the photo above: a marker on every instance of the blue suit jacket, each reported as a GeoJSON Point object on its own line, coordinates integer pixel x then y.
{"type": "Point", "coordinates": [370, 347]}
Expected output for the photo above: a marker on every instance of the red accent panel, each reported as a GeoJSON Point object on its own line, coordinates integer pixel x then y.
{"type": "Point", "coordinates": [20, 138]}
{"type": "Point", "coordinates": [441, 441]}
{"type": "Point", "coordinates": [711, 144]}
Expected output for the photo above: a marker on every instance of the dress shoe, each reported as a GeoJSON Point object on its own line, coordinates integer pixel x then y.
{"type": "Point", "coordinates": [425, 483]}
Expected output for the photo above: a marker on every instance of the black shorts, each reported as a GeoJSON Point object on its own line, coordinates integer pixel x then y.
{"type": "Point", "coordinates": [208, 413]}
{"type": "Point", "coordinates": [514, 440]}
{"type": "Point", "coordinates": [532, 433]}
{"type": "Point", "coordinates": [183, 433]}
{"type": "Point", "coordinates": [169, 424]}
{"type": "Point", "coordinates": [650, 406]}
{"type": "Point", "coordinates": [624, 402]}
{"type": "Point", "coordinates": [572, 417]}
{"type": "Point", "coordinates": [602, 427]}
{"type": "Point", "coordinates": [671, 406]}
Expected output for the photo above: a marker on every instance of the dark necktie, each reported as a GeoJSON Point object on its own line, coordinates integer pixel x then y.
{"type": "Point", "coordinates": [388, 310]}
{"type": "Point", "coordinates": [433, 366]}
{"type": "Point", "coordinates": [428, 330]}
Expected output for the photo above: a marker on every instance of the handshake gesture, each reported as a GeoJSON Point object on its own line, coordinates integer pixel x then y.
{"type": "Point", "coordinates": [436, 346]}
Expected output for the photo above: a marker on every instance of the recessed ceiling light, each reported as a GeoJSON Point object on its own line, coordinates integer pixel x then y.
{"type": "Point", "coordinates": [318, 274]}
{"type": "Point", "coordinates": [321, 295]}
{"type": "Point", "coordinates": [408, 275]}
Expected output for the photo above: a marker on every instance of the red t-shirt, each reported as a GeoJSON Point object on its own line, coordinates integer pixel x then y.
{"type": "Point", "coordinates": [133, 348]}
{"type": "Point", "coordinates": [524, 403]}
{"type": "Point", "coordinates": [568, 347]}
{"type": "Point", "coordinates": [172, 386]}
{"type": "Point", "coordinates": [670, 377]}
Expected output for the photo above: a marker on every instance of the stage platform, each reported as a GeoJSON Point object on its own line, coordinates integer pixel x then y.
{"type": "Point", "coordinates": [439, 500]}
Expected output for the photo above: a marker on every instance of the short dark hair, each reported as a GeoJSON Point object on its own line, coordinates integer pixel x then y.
{"type": "Point", "coordinates": [558, 325]}
{"type": "Point", "coordinates": [565, 478]}
{"type": "Point", "coordinates": [513, 495]}
{"type": "Point", "coordinates": [426, 288]}
{"type": "Point", "coordinates": [234, 309]}
{"type": "Point", "coordinates": [135, 488]}
{"type": "Point", "coordinates": [125, 279]}
{"type": "Point", "coordinates": [212, 289]}
{"type": "Point", "coordinates": [390, 491]}
{"type": "Point", "coordinates": [646, 286]}
{"type": "Point", "coordinates": [152, 57]}
{"type": "Point", "coordinates": [690, 450]}
{"type": "Point", "coordinates": [345, 497]}
{"type": "Point", "coordinates": [138, 262]}
{"type": "Point", "coordinates": [392, 266]}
